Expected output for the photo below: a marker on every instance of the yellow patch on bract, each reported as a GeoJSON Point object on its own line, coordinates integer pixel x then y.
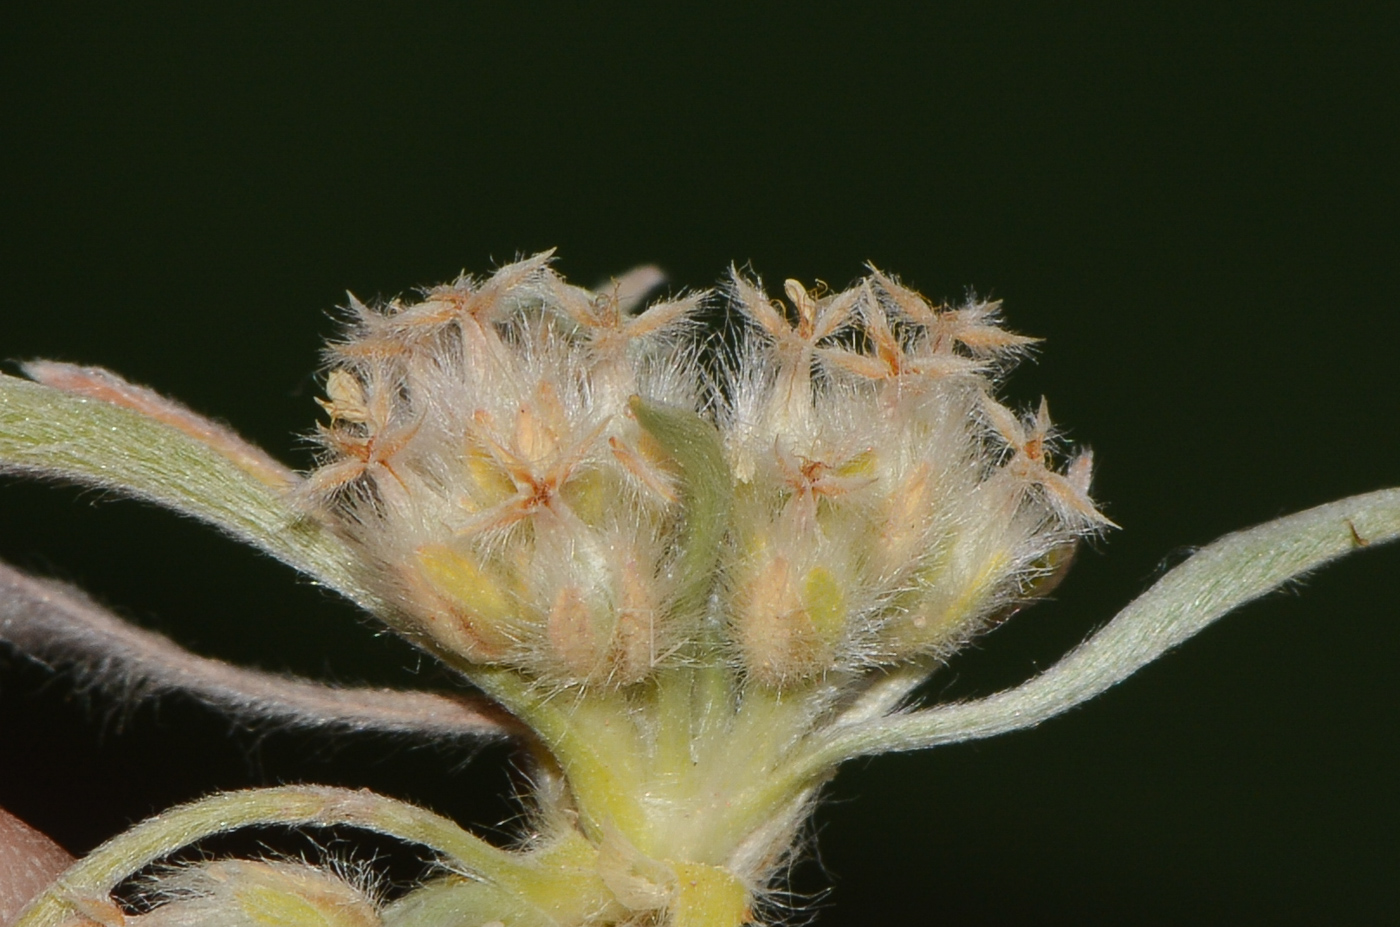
{"type": "Point", "coordinates": [489, 481]}
{"type": "Point", "coordinates": [481, 604]}
{"type": "Point", "coordinates": [824, 604]}
{"type": "Point", "coordinates": [588, 495]}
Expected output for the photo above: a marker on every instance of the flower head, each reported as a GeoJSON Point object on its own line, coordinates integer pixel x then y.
{"type": "Point", "coordinates": [485, 452]}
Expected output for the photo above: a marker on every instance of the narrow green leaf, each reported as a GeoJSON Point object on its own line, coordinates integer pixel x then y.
{"type": "Point", "coordinates": [1221, 577]}
{"type": "Point", "coordinates": [47, 432]}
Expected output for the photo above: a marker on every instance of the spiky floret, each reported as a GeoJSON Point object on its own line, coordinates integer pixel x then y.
{"type": "Point", "coordinates": [484, 452]}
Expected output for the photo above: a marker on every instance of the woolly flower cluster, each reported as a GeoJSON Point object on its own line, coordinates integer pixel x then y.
{"type": "Point", "coordinates": [539, 477]}
{"type": "Point", "coordinates": [691, 574]}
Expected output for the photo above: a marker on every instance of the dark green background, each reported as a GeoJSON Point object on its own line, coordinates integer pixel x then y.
{"type": "Point", "coordinates": [1196, 207]}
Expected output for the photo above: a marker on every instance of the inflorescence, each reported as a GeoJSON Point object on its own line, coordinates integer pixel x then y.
{"type": "Point", "coordinates": [690, 574]}
{"type": "Point", "coordinates": [509, 455]}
